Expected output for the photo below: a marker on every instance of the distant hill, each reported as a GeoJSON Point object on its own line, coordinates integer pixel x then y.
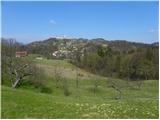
{"type": "Point", "coordinates": [67, 47]}
{"type": "Point", "coordinates": [119, 58]}
{"type": "Point", "coordinates": [155, 44]}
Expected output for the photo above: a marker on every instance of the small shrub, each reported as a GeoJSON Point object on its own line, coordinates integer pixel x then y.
{"type": "Point", "coordinates": [65, 87]}
{"type": "Point", "coordinates": [66, 92]}
{"type": "Point", "coordinates": [45, 89]}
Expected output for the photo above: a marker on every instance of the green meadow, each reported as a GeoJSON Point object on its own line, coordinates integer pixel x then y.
{"type": "Point", "coordinates": [82, 101]}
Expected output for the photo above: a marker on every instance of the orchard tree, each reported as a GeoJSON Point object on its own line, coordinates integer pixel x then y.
{"type": "Point", "coordinates": [19, 69]}
{"type": "Point", "coordinates": [116, 87]}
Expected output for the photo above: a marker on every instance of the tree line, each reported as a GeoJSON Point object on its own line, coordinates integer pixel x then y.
{"type": "Point", "coordinates": [140, 64]}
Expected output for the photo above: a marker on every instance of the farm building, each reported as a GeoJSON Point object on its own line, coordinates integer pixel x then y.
{"type": "Point", "coordinates": [21, 53]}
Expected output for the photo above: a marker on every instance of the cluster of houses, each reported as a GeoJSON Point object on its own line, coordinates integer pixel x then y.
{"type": "Point", "coordinates": [67, 49]}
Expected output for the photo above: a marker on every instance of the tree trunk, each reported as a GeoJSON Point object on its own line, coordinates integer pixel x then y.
{"type": "Point", "coordinates": [15, 83]}
{"type": "Point", "coordinates": [77, 78]}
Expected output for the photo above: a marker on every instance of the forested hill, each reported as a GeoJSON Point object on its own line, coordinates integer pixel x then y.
{"type": "Point", "coordinates": [52, 44]}
{"type": "Point", "coordinates": [119, 58]}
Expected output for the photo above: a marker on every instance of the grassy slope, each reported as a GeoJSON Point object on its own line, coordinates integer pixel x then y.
{"type": "Point", "coordinates": [26, 104]}
{"type": "Point", "coordinates": [82, 103]}
{"type": "Point", "coordinates": [86, 82]}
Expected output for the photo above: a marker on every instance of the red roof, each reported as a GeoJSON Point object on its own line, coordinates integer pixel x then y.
{"type": "Point", "coordinates": [21, 53]}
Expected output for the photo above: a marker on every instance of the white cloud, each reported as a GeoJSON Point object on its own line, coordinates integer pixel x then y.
{"type": "Point", "coordinates": [152, 30]}
{"type": "Point", "coordinates": [52, 21]}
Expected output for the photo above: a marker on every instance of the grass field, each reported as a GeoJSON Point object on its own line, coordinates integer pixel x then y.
{"type": "Point", "coordinates": [26, 104]}
{"type": "Point", "coordinates": [82, 102]}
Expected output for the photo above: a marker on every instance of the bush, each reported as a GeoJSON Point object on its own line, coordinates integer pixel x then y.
{"type": "Point", "coordinates": [45, 89]}
{"type": "Point", "coordinates": [65, 87]}
{"type": "Point", "coordinates": [66, 92]}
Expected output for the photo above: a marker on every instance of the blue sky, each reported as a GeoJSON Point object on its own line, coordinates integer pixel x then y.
{"type": "Point", "coordinates": [32, 21]}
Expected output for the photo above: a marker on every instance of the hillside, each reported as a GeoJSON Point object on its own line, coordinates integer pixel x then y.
{"type": "Point", "coordinates": [106, 58]}
{"type": "Point", "coordinates": [26, 102]}
{"type": "Point", "coordinates": [28, 105]}
{"type": "Point", "coordinates": [86, 79]}
{"type": "Point", "coordinates": [69, 46]}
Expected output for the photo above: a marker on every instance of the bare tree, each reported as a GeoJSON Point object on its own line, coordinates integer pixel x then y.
{"type": "Point", "coordinates": [113, 85]}
{"type": "Point", "coordinates": [38, 76]}
{"type": "Point", "coordinates": [77, 78]}
{"type": "Point", "coordinates": [57, 75]}
{"type": "Point", "coordinates": [96, 83]}
{"type": "Point", "coordinates": [65, 87]}
{"type": "Point", "coordinates": [95, 88]}
{"type": "Point", "coordinates": [139, 84]}
{"type": "Point", "coordinates": [18, 70]}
